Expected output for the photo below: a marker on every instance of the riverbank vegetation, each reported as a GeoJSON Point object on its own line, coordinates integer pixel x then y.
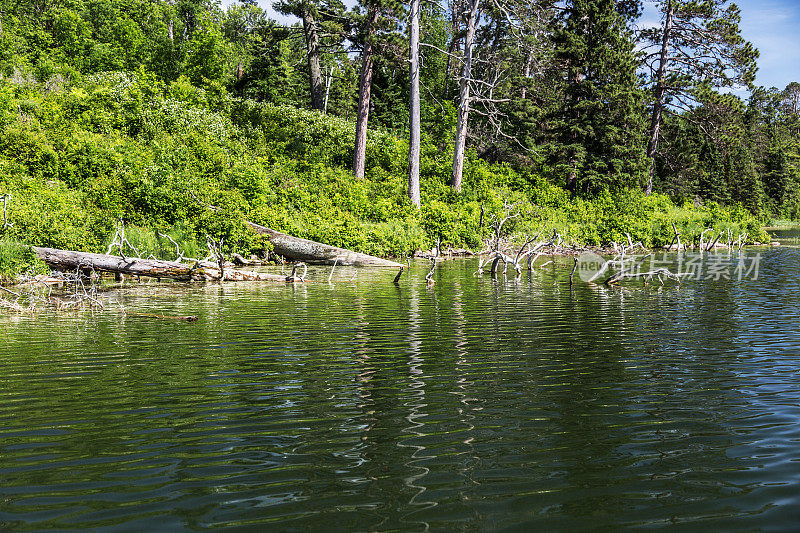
{"type": "Point", "coordinates": [144, 113]}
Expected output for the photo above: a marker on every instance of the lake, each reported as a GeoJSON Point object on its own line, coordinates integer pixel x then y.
{"type": "Point", "coordinates": [474, 404]}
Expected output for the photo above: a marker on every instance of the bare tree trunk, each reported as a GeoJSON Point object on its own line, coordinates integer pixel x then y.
{"type": "Point", "coordinates": [312, 49]}
{"type": "Point", "coordinates": [328, 83]}
{"type": "Point", "coordinates": [364, 94]}
{"type": "Point", "coordinates": [659, 89]}
{"type": "Point", "coordinates": [464, 99]}
{"type": "Point", "coordinates": [171, 32]}
{"type": "Point", "coordinates": [413, 107]}
{"type": "Point", "coordinates": [451, 47]}
{"type": "Point", "coordinates": [527, 74]}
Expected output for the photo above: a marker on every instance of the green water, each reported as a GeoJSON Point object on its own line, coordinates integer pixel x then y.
{"type": "Point", "coordinates": [475, 404]}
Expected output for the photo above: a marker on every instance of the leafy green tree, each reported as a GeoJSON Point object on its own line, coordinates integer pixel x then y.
{"type": "Point", "coordinates": [271, 76]}
{"type": "Point", "coordinates": [205, 55]}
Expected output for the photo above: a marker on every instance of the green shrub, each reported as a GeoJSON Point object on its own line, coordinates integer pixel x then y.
{"type": "Point", "coordinates": [17, 259]}
{"type": "Point", "coordinates": [123, 146]}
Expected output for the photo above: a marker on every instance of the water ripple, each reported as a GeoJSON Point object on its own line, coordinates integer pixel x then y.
{"type": "Point", "coordinates": [472, 405]}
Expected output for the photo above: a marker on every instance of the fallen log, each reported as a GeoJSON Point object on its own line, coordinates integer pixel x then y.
{"type": "Point", "coordinates": [67, 260]}
{"type": "Point", "coordinates": [311, 251]}
{"type": "Point", "coordinates": [316, 252]}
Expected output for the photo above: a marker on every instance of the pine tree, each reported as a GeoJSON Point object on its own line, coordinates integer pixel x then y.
{"type": "Point", "coordinates": [698, 47]}
{"type": "Point", "coordinates": [376, 27]}
{"type": "Point", "coordinates": [598, 129]}
{"type": "Point", "coordinates": [321, 28]}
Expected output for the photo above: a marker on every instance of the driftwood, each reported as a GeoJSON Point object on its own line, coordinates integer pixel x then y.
{"type": "Point", "coordinates": [574, 268]}
{"type": "Point", "coordinates": [495, 255]}
{"type": "Point", "coordinates": [293, 277]}
{"type": "Point", "coordinates": [310, 251]}
{"type": "Point", "coordinates": [429, 277]}
{"type": "Point", "coordinates": [713, 243]}
{"type": "Point", "coordinates": [315, 252]}
{"type": "Point", "coordinates": [633, 272]}
{"type": "Point", "coordinates": [67, 260]}
{"type": "Point", "coordinates": [677, 237]}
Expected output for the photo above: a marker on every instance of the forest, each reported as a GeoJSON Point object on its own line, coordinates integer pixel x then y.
{"type": "Point", "coordinates": [386, 126]}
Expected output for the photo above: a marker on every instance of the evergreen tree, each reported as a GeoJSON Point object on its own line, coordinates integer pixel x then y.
{"type": "Point", "coordinates": [598, 129]}
{"type": "Point", "coordinates": [322, 28]}
{"type": "Point", "coordinates": [698, 47]}
{"type": "Point", "coordinates": [377, 28]}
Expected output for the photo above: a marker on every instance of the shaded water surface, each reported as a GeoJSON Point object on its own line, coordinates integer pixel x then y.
{"type": "Point", "coordinates": [470, 405]}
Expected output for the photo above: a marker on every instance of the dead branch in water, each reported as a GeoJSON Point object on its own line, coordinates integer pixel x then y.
{"type": "Point", "coordinates": [497, 254]}
{"type": "Point", "coordinates": [714, 243]}
{"type": "Point", "coordinates": [429, 276]}
{"type": "Point", "coordinates": [574, 268]}
{"type": "Point", "coordinates": [633, 272]}
{"type": "Point", "coordinates": [187, 318]}
{"type": "Point", "coordinates": [293, 277]}
{"type": "Point", "coordinates": [657, 273]}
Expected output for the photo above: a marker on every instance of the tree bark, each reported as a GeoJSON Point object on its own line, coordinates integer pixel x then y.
{"type": "Point", "coordinates": [464, 99]}
{"type": "Point", "coordinates": [66, 260]}
{"type": "Point", "coordinates": [364, 94]}
{"type": "Point", "coordinates": [658, 93]}
{"type": "Point", "coordinates": [414, 108]}
{"type": "Point", "coordinates": [312, 50]}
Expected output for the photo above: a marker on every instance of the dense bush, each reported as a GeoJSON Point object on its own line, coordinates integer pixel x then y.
{"type": "Point", "coordinates": [80, 156]}
{"type": "Point", "coordinates": [16, 258]}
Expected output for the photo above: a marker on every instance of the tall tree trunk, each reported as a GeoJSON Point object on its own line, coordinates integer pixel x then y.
{"type": "Point", "coordinates": [312, 50]}
{"type": "Point", "coordinates": [413, 107]}
{"type": "Point", "coordinates": [527, 74]}
{"type": "Point", "coordinates": [658, 93]}
{"type": "Point", "coordinates": [464, 99]}
{"type": "Point", "coordinates": [328, 83]}
{"type": "Point", "coordinates": [451, 47]}
{"type": "Point", "coordinates": [364, 94]}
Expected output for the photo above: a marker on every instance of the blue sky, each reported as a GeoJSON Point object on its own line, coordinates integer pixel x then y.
{"type": "Point", "coordinates": [773, 26]}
